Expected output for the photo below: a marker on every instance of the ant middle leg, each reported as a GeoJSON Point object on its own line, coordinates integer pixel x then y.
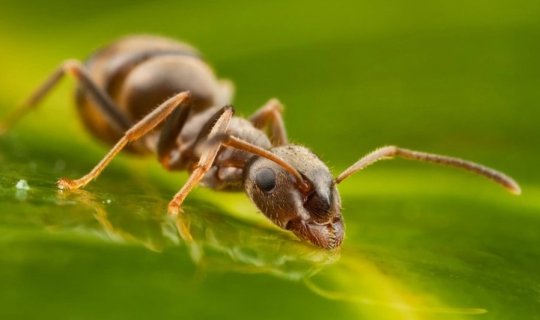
{"type": "Point", "coordinates": [167, 142]}
{"type": "Point", "coordinates": [77, 70]}
{"type": "Point", "coordinates": [270, 114]}
{"type": "Point", "coordinates": [149, 122]}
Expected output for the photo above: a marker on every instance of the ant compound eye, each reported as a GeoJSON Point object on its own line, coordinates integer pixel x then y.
{"type": "Point", "coordinates": [265, 179]}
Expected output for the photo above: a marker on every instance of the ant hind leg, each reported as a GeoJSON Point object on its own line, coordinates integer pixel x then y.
{"type": "Point", "coordinates": [77, 70]}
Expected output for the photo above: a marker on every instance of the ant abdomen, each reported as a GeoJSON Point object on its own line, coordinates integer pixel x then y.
{"type": "Point", "coordinates": [140, 72]}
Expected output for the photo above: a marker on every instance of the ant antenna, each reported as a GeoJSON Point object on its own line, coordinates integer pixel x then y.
{"type": "Point", "coordinates": [230, 141]}
{"type": "Point", "coordinates": [389, 152]}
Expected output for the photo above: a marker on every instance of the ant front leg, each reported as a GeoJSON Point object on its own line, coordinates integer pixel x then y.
{"type": "Point", "coordinates": [271, 114]}
{"type": "Point", "coordinates": [77, 70]}
{"type": "Point", "coordinates": [138, 130]}
{"type": "Point", "coordinates": [218, 128]}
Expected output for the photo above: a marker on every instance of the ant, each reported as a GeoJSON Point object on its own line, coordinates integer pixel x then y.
{"type": "Point", "coordinates": [193, 128]}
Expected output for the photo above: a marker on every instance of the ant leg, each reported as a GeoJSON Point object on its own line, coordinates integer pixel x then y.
{"type": "Point", "coordinates": [77, 70]}
{"type": "Point", "coordinates": [271, 114]}
{"type": "Point", "coordinates": [218, 128]}
{"type": "Point", "coordinates": [169, 133]}
{"type": "Point", "coordinates": [138, 130]}
{"type": "Point", "coordinates": [389, 152]}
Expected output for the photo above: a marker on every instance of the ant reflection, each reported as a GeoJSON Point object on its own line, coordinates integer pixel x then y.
{"type": "Point", "coordinates": [215, 240]}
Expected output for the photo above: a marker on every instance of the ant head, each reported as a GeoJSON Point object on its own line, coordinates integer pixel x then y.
{"type": "Point", "coordinates": [311, 208]}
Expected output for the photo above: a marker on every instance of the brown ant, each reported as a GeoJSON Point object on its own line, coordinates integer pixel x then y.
{"type": "Point", "coordinates": [194, 128]}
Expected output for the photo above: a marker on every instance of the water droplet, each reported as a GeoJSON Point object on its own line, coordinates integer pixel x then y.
{"type": "Point", "coordinates": [22, 190]}
{"type": "Point", "coordinates": [22, 185]}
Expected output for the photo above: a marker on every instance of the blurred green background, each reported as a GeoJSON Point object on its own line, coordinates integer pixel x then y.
{"type": "Point", "coordinates": [458, 78]}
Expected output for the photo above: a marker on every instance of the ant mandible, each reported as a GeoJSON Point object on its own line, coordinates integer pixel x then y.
{"type": "Point", "coordinates": [194, 128]}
